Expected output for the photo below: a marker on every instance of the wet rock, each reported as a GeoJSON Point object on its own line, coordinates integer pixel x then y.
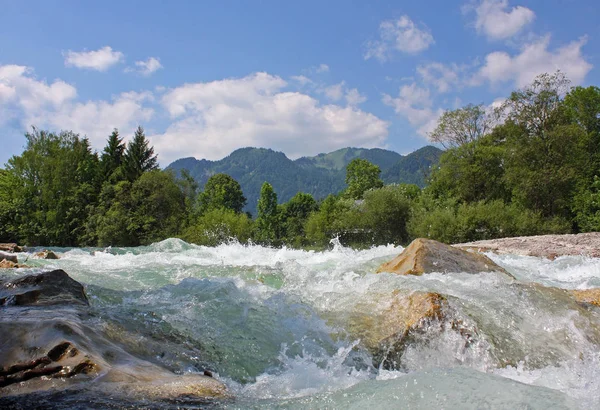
{"type": "Point", "coordinates": [10, 247]}
{"type": "Point", "coordinates": [11, 257]}
{"type": "Point", "coordinates": [48, 288]}
{"type": "Point", "coordinates": [46, 255]}
{"type": "Point", "coordinates": [427, 256]}
{"type": "Point", "coordinates": [5, 264]}
{"type": "Point", "coordinates": [386, 333]}
{"type": "Point", "coordinates": [54, 343]}
{"type": "Point", "coordinates": [587, 296]}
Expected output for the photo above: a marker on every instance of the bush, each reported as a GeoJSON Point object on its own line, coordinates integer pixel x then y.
{"type": "Point", "coordinates": [217, 226]}
{"type": "Point", "coordinates": [455, 223]}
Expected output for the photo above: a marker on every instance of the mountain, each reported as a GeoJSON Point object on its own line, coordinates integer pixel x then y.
{"type": "Point", "coordinates": [319, 176]}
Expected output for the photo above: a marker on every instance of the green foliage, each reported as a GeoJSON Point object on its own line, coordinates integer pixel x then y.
{"type": "Point", "coordinates": [267, 221]}
{"type": "Point", "coordinates": [455, 223]}
{"type": "Point", "coordinates": [217, 226]}
{"type": "Point", "coordinates": [112, 157]}
{"type": "Point", "coordinates": [293, 216]}
{"type": "Point", "coordinates": [51, 184]}
{"type": "Point", "coordinates": [361, 176]}
{"type": "Point", "coordinates": [139, 156]}
{"type": "Point", "coordinates": [222, 192]}
{"type": "Point", "coordinates": [461, 126]}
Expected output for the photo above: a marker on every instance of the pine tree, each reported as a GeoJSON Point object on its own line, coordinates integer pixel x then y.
{"type": "Point", "coordinates": [112, 156]}
{"type": "Point", "coordinates": [139, 157]}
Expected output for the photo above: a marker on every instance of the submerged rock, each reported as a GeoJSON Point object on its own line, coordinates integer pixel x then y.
{"type": "Point", "coordinates": [427, 256]}
{"type": "Point", "coordinates": [587, 296]}
{"type": "Point", "coordinates": [385, 333]}
{"type": "Point", "coordinates": [48, 288]}
{"type": "Point", "coordinates": [54, 343]}
{"type": "Point", "coordinates": [46, 255]}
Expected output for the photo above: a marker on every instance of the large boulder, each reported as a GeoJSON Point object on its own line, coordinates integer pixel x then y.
{"type": "Point", "coordinates": [53, 342]}
{"type": "Point", "coordinates": [386, 332]}
{"type": "Point", "coordinates": [427, 256]}
{"type": "Point", "coordinates": [48, 288]}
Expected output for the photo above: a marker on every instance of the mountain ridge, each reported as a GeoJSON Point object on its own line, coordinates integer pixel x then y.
{"type": "Point", "coordinates": [319, 175]}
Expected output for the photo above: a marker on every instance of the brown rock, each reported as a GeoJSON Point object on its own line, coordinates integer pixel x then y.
{"type": "Point", "coordinates": [386, 333]}
{"type": "Point", "coordinates": [5, 264]}
{"type": "Point", "coordinates": [587, 296]}
{"type": "Point", "coordinates": [46, 255]}
{"type": "Point", "coordinates": [10, 247]}
{"type": "Point", "coordinates": [48, 288]}
{"type": "Point", "coordinates": [9, 257]}
{"type": "Point", "coordinates": [427, 256]}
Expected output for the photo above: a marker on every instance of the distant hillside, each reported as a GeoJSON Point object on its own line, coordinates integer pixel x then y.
{"type": "Point", "coordinates": [319, 176]}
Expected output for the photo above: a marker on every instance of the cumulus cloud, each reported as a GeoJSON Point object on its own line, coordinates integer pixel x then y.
{"type": "Point", "coordinates": [415, 104]}
{"type": "Point", "coordinates": [335, 92]}
{"type": "Point", "coordinates": [213, 118]}
{"type": "Point", "coordinates": [533, 59]}
{"type": "Point", "coordinates": [497, 21]}
{"type": "Point", "coordinates": [354, 98]}
{"type": "Point", "coordinates": [99, 60]}
{"type": "Point", "coordinates": [147, 67]}
{"type": "Point", "coordinates": [400, 35]}
{"type": "Point", "coordinates": [443, 76]}
{"type": "Point", "coordinates": [35, 102]}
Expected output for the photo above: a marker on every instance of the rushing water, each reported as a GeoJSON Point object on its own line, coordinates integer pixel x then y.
{"type": "Point", "coordinates": [269, 323]}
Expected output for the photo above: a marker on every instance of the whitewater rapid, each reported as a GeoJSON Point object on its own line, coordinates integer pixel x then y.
{"type": "Point", "coordinates": [267, 323]}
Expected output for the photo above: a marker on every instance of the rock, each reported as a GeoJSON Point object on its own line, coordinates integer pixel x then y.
{"type": "Point", "coordinates": [10, 247]}
{"type": "Point", "coordinates": [427, 256]}
{"type": "Point", "coordinates": [9, 257]}
{"type": "Point", "coordinates": [545, 246]}
{"type": "Point", "coordinates": [386, 333]}
{"type": "Point", "coordinates": [587, 296]}
{"type": "Point", "coordinates": [5, 264]}
{"type": "Point", "coordinates": [53, 343]}
{"type": "Point", "coordinates": [46, 255]}
{"type": "Point", "coordinates": [48, 288]}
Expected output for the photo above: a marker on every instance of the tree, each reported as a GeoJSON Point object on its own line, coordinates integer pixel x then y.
{"type": "Point", "coordinates": [222, 192]}
{"type": "Point", "coordinates": [461, 126]}
{"type": "Point", "coordinates": [293, 217]}
{"type": "Point", "coordinates": [139, 156]}
{"type": "Point", "coordinates": [267, 223]}
{"type": "Point", "coordinates": [361, 175]}
{"type": "Point", "coordinates": [53, 184]}
{"type": "Point", "coordinates": [538, 107]}
{"type": "Point", "coordinates": [112, 157]}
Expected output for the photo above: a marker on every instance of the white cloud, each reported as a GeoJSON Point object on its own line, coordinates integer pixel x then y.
{"type": "Point", "coordinates": [401, 35]}
{"type": "Point", "coordinates": [147, 67]}
{"type": "Point", "coordinates": [34, 102]}
{"type": "Point", "coordinates": [301, 79]}
{"type": "Point", "coordinates": [335, 92]}
{"type": "Point", "coordinates": [534, 59]}
{"type": "Point", "coordinates": [497, 21]}
{"type": "Point", "coordinates": [100, 60]}
{"type": "Point", "coordinates": [415, 104]}
{"type": "Point", "coordinates": [322, 68]}
{"type": "Point", "coordinates": [354, 98]}
{"type": "Point", "coordinates": [211, 119]}
{"type": "Point", "coordinates": [443, 76]}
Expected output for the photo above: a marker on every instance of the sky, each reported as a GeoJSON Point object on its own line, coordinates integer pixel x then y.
{"type": "Point", "coordinates": [207, 77]}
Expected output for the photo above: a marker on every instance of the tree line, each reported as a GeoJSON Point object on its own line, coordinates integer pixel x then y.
{"type": "Point", "coordinates": [529, 166]}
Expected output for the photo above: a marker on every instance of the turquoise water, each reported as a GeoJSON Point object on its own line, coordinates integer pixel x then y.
{"type": "Point", "coordinates": [272, 325]}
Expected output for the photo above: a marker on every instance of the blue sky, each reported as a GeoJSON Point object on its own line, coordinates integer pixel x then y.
{"type": "Point", "coordinates": [207, 77]}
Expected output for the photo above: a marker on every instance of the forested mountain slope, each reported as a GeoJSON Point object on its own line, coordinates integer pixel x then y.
{"type": "Point", "coordinates": [319, 176]}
